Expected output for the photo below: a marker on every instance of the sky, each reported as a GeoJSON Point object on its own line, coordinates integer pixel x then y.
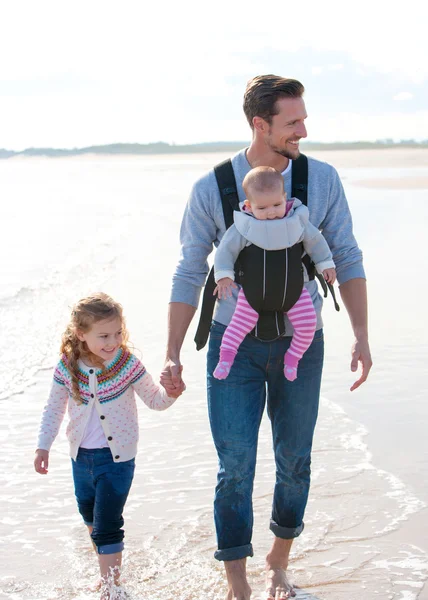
{"type": "Point", "coordinates": [80, 73]}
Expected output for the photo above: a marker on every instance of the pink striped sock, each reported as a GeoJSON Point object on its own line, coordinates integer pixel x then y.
{"type": "Point", "coordinates": [304, 320]}
{"type": "Point", "coordinates": [243, 321]}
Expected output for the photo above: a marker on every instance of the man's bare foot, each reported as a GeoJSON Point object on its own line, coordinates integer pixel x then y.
{"type": "Point", "coordinates": [278, 587]}
{"type": "Point", "coordinates": [113, 592]}
{"type": "Point", "coordinates": [236, 573]}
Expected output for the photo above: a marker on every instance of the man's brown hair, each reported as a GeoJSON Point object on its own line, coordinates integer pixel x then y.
{"type": "Point", "coordinates": [262, 93]}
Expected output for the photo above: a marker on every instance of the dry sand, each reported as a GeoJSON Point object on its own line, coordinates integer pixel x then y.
{"type": "Point", "coordinates": [388, 157]}
{"type": "Point", "coordinates": [364, 159]}
{"type": "Point", "coordinates": [341, 159]}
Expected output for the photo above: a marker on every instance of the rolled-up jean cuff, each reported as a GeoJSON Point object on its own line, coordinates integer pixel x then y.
{"type": "Point", "coordinates": [286, 533]}
{"type": "Point", "coordinates": [110, 548]}
{"type": "Point", "coordinates": [234, 553]}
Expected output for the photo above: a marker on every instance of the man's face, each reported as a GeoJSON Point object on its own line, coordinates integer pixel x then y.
{"type": "Point", "coordinates": [287, 128]}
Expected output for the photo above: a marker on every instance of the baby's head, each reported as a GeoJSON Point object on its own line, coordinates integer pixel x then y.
{"type": "Point", "coordinates": [95, 332]}
{"type": "Point", "coordinates": [264, 189]}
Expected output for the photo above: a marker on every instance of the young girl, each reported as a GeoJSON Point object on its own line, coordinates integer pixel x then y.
{"type": "Point", "coordinates": [96, 379]}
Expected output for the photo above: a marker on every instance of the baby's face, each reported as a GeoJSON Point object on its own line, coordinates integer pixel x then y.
{"type": "Point", "coordinates": [267, 205]}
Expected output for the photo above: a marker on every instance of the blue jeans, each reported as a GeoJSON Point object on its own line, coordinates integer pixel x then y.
{"type": "Point", "coordinates": [101, 487]}
{"type": "Point", "coordinates": [236, 406]}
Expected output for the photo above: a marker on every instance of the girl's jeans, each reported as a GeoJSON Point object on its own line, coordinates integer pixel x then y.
{"type": "Point", "coordinates": [101, 487]}
{"type": "Point", "coordinates": [236, 406]}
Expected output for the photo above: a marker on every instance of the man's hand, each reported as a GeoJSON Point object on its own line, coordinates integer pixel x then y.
{"type": "Point", "coordinates": [41, 461]}
{"type": "Point", "coordinates": [361, 353]}
{"type": "Point", "coordinates": [354, 296]}
{"type": "Point", "coordinates": [329, 275]}
{"type": "Point", "coordinates": [171, 379]}
{"type": "Point", "coordinates": [224, 288]}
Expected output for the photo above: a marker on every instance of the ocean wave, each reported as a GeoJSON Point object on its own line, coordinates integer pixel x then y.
{"type": "Point", "coordinates": [13, 294]}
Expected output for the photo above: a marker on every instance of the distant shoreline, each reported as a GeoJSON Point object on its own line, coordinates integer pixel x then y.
{"type": "Point", "coordinates": [163, 148]}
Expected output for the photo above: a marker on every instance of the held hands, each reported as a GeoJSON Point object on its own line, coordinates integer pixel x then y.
{"type": "Point", "coordinates": [329, 275]}
{"type": "Point", "coordinates": [224, 288]}
{"type": "Point", "coordinates": [171, 379]}
{"type": "Point", "coordinates": [41, 461]}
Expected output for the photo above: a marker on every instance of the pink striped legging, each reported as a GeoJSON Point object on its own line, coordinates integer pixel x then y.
{"type": "Point", "coordinates": [302, 316]}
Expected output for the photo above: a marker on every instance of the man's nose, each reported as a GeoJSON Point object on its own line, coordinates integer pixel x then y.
{"type": "Point", "coordinates": [301, 130]}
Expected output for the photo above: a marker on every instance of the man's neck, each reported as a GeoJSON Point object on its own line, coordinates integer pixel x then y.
{"type": "Point", "coordinates": [259, 155]}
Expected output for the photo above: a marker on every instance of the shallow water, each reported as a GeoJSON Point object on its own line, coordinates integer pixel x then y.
{"type": "Point", "coordinates": [124, 215]}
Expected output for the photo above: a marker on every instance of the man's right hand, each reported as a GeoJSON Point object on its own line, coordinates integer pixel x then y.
{"type": "Point", "coordinates": [171, 379]}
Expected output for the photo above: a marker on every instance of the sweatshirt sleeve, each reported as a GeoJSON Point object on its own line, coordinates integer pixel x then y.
{"type": "Point", "coordinates": [53, 412]}
{"type": "Point", "coordinates": [228, 251]}
{"type": "Point", "coordinates": [197, 234]}
{"type": "Point", "coordinates": [153, 395]}
{"type": "Point", "coordinates": [338, 232]}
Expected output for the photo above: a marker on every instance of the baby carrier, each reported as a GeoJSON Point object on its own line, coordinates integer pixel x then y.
{"type": "Point", "coordinates": [272, 280]}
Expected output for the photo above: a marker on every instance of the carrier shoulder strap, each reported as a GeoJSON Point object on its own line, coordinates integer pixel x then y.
{"type": "Point", "coordinates": [229, 201]}
{"type": "Point", "coordinates": [299, 183]}
{"type": "Point", "coordinates": [299, 179]}
{"type": "Point", "coordinates": [228, 191]}
{"type": "Point", "coordinates": [299, 189]}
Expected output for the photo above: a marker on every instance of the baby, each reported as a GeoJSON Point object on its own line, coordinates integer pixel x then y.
{"type": "Point", "coordinates": [270, 223]}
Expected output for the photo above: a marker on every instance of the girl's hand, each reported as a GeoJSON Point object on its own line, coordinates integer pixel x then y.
{"type": "Point", "coordinates": [329, 275]}
{"type": "Point", "coordinates": [224, 288]}
{"type": "Point", "coordinates": [41, 462]}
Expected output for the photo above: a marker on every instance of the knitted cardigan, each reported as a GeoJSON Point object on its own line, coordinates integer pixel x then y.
{"type": "Point", "coordinates": [112, 392]}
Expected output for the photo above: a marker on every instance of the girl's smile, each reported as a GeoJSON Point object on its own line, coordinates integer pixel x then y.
{"type": "Point", "coordinates": [104, 338]}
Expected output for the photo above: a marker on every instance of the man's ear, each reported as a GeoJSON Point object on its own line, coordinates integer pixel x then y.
{"type": "Point", "coordinates": [247, 206]}
{"type": "Point", "coordinates": [260, 124]}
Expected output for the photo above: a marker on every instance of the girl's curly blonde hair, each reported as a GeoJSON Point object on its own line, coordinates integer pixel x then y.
{"type": "Point", "coordinates": [86, 312]}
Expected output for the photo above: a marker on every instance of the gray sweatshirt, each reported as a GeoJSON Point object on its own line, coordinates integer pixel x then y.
{"type": "Point", "coordinates": [274, 234]}
{"type": "Point", "coordinates": [203, 227]}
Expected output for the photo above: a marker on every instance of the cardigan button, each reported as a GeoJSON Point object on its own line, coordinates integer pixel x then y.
{"type": "Point", "coordinates": [109, 438]}
{"type": "Point", "coordinates": [102, 417]}
{"type": "Point", "coordinates": [91, 371]}
{"type": "Point", "coordinates": [117, 456]}
{"type": "Point", "coordinates": [92, 395]}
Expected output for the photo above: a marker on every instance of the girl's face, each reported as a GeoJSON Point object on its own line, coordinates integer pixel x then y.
{"type": "Point", "coordinates": [104, 338]}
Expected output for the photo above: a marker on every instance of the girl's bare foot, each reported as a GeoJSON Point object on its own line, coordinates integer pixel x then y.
{"type": "Point", "coordinates": [95, 586]}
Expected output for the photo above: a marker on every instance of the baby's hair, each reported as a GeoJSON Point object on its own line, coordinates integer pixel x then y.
{"type": "Point", "coordinates": [86, 312]}
{"type": "Point", "coordinates": [262, 179]}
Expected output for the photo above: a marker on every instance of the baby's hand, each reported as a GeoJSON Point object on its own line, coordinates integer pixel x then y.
{"type": "Point", "coordinates": [224, 288]}
{"type": "Point", "coordinates": [329, 275]}
{"type": "Point", "coordinates": [41, 462]}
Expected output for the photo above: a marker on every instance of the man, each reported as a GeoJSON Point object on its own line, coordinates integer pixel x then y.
{"type": "Point", "coordinates": [276, 113]}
